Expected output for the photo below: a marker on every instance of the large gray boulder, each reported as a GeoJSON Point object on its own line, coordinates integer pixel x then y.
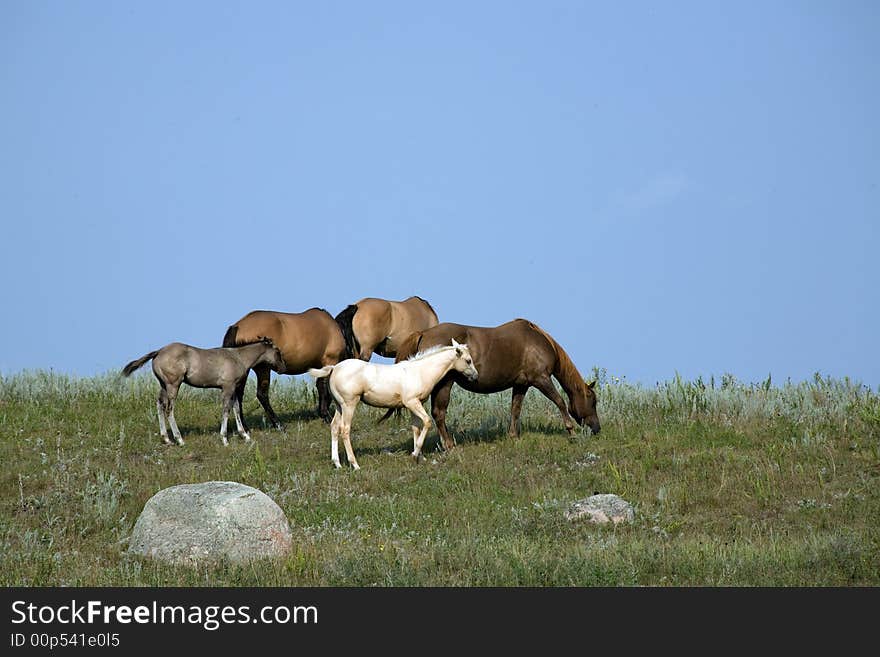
{"type": "Point", "coordinates": [601, 509]}
{"type": "Point", "coordinates": [195, 523]}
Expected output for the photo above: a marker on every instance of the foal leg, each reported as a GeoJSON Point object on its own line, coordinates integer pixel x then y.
{"type": "Point", "coordinates": [439, 403]}
{"type": "Point", "coordinates": [347, 415]}
{"type": "Point", "coordinates": [335, 428]}
{"type": "Point", "coordinates": [161, 405]}
{"type": "Point", "coordinates": [546, 386]}
{"type": "Point", "coordinates": [172, 395]}
{"type": "Point", "coordinates": [239, 420]}
{"type": "Point", "coordinates": [239, 398]}
{"type": "Point", "coordinates": [416, 427]}
{"type": "Point", "coordinates": [228, 401]}
{"type": "Point", "coordinates": [418, 411]}
{"type": "Point", "coordinates": [519, 392]}
{"type": "Point", "coordinates": [263, 374]}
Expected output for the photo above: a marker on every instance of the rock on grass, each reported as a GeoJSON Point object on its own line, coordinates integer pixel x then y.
{"type": "Point", "coordinates": [601, 509]}
{"type": "Point", "coordinates": [209, 522]}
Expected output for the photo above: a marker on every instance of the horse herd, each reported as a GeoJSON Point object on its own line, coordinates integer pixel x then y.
{"type": "Point", "coordinates": [430, 358]}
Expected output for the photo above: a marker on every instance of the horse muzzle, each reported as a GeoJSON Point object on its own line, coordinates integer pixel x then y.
{"type": "Point", "coordinates": [595, 427]}
{"type": "Point", "coordinates": [471, 374]}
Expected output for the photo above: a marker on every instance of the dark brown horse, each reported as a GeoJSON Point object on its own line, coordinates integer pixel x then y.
{"type": "Point", "coordinates": [310, 339]}
{"type": "Point", "coordinates": [517, 355]}
{"type": "Point", "coordinates": [380, 325]}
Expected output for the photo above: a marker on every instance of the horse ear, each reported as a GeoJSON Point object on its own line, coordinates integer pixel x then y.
{"type": "Point", "coordinates": [455, 343]}
{"type": "Point", "coordinates": [591, 385]}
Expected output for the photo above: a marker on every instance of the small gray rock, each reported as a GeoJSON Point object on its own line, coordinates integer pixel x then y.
{"type": "Point", "coordinates": [194, 523]}
{"type": "Point", "coordinates": [601, 509]}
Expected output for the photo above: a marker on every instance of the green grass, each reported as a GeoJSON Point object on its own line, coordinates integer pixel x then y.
{"type": "Point", "coordinates": [733, 484]}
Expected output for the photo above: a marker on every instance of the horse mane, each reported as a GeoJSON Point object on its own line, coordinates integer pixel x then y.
{"type": "Point", "coordinates": [565, 370]}
{"type": "Point", "coordinates": [430, 351]}
{"type": "Point", "coordinates": [261, 339]}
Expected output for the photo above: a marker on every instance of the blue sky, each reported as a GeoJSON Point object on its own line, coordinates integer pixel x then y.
{"type": "Point", "coordinates": [665, 187]}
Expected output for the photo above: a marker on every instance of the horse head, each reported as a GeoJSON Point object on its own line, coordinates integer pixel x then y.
{"type": "Point", "coordinates": [582, 407]}
{"type": "Point", "coordinates": [272, 356]}
{"type": "Point", "coordinates": [463, 361]}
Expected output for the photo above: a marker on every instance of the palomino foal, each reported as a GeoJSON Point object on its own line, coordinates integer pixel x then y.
{"type": "Point", "coordinates": [405, 384]}
{"type": "Point", "coordinates": [224, 368]}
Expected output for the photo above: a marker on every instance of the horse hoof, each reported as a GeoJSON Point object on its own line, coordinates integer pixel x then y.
{"type": "Point", "coordinates": [180, 443]}
{"type": "Point", "coordinates": [355, 466]}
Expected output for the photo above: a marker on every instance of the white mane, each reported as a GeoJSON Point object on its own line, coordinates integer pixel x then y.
{"type": "Point", "coordinates": [431, 351]}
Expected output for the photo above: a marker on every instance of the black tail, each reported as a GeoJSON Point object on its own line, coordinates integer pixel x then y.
{"type": "Point", "coordinates": [344, 319]}
{"type": "Point", "coordinates": [135, 364]}
{"type": "Point", "coordinates": [229, 338]}
{"type": "Point", "coordinates": [388, 414]}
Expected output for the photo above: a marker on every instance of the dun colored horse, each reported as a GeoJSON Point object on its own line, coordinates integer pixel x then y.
{"type": "Point", "coordinates": [405, 384]}
{"type": "Point", "coordinates": [515, 355]}
{"type": "Point", "coordinates": [306, 340]}
{"type": "Point", "coordinates": [379, 325]}
{"type": "Point", "coordinates": [226, 369]}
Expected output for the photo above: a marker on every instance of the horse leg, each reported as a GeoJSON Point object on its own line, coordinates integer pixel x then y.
{"type": "Point", "coordinates": [439, 403]}
{"type": "Point", "coordinates": [161, 406]}
{"type": "Point", "coordinates": [263, 377]}
{"type": "Point", "coordinates": [546, 386]}
{"type": "Point", "coordinates": [415, 406]}
{"type": "Point", "coordinates": [335, 427]}
{"type": "Point", "coordinates": [519, 393]}
{"type": "Point", "coordinates": [347, 415]}
{"type": "Point", "coordinates": [172, 395]}
{"type": "Point", "coordinates": [323, 386]}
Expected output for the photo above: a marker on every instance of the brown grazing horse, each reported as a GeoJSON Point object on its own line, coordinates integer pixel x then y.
{"type": "Point", "coordinates": [517, 355]}
{"type": "Point", "coordinates": [310, 339]}
{"type": "Point", "coordinates": [380, 325]}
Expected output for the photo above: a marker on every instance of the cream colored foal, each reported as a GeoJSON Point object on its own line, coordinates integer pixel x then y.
{"type": "Point", "coordinates": [405, 384]}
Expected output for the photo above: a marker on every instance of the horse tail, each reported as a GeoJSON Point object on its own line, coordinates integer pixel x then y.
{"type": "Point", "coordinates": [321, 373]}
{"type": "Point", "coordinates": [344, 319]}
{"type": "Point", "coordinates": [388, 414]}
{"type": "Point", "coordinates": [408, 346]}
{"type": "Point", "coordinates": [230, 337]}
{"type": "Point", "coordinates": [135, 364]}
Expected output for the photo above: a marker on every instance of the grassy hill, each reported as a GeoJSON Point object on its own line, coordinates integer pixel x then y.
{"type": "Point", "coordinates": [733, 484]}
